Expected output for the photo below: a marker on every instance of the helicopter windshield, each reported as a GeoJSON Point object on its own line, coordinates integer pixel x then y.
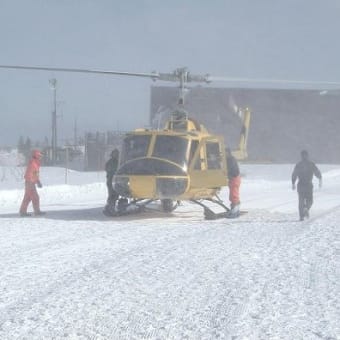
{"type": "Point", "coordinates": [135, 146]}
{"type": "Point", "coordinates": [172, 148]}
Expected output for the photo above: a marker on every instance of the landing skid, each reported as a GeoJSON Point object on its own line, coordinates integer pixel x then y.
{"type": "Point", "coordinates": [209, 214]}
{"type": "Point", "coordinates": [125, 207]}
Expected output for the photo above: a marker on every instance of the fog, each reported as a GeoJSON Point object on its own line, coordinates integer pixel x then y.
{"type": "Point", "coordinates": [262, 39]}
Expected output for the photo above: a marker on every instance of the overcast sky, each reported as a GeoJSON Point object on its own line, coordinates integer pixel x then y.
{"type": "Point", "coordinates": [289, 39]}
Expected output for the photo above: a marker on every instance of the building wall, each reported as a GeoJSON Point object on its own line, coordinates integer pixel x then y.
{"type": "Point", "coordinates": [282, 123]}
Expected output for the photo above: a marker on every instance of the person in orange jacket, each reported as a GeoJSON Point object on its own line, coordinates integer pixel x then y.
{"type": "Point", "coordinates": [234, 182]}
{"type": "Point", "coordinates": [31, 181]}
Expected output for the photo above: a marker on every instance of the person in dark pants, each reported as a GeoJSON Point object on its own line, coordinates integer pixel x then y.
{"type": "Point", "coordinates": [304, 172]}
{"type": "Point", "coordinates": [234, 182]}
{"type": "Point", "coordinates": [111, 168]}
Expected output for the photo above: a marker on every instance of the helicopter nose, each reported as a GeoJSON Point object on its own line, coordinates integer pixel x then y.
{"type": "Point", "coordinates": [150, 187]}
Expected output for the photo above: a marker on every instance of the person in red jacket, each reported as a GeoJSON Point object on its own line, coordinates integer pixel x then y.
{"type": "Point", "coordinates": [31, 181]}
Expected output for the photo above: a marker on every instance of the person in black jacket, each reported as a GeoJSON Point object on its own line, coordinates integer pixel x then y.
{"type": "Point", "coordinates": [234, 182]}
{"type": "Point", "coordinates": [111, 168]}
{"type": "Point", "coordinates": [304, 171]}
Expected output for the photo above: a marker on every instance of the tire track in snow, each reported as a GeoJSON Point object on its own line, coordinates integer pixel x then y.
{"type": "Point", "coordinates": [291, 269]}
{"type": "Point", "coordinates": [71, 279]}
{"type": "Point", "coordinates": [66, 294]}
{"type": "Point", "coordinates": [161, 251]}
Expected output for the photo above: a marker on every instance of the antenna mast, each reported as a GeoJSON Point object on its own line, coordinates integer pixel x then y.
{"type": "Point", "coordinates": [53, 84]}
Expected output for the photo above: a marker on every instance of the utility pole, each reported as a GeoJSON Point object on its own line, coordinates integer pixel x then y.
{"type": "Point", "coordinates": [53, 84]}
{"type": "Point", "coordinates": [75, 133]}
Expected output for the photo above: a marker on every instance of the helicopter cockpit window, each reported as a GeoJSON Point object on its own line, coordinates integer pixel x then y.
{"type": "Point", "coordinates": [213, 156]}
{"type": "Point", "coordinates": [172, 148]}
{"type": "Point", "coordinates": [135, 147]}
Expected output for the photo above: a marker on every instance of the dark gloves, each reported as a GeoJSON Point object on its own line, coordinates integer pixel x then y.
{"type": "Point", "coordinates": [39, 185]}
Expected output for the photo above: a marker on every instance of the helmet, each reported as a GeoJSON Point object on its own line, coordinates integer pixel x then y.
{"type": "Point", "coordinates": [36, 154]}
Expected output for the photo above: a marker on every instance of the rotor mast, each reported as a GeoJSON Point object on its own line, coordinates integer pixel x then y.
{"type": "Point", "coordinates": [183, 76]}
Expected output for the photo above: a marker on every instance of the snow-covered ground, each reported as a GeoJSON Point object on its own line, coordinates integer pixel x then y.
{"type": "Point", "coordinates": [76, 274]}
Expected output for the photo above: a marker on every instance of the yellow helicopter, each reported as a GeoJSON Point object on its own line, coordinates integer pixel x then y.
{"type": "Point", "coordinates": [182, 161]}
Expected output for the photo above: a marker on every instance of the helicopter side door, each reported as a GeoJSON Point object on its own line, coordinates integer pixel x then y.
{"type": "Point", "coordinates": [207, 168]}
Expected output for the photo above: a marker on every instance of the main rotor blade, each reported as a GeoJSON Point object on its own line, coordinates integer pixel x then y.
{"type": "Point", "coordinates": [153, 75]}
{"type": "Point", "coordinates": [182, 75]}
{"type": "Point", "coordinates": [176, 76]}
{"type": "Point", "coordinates": [283, 82]}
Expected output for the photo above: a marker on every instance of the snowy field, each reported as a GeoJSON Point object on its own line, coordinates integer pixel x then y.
{"type": "Point", "coordinates": [76, 274]}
